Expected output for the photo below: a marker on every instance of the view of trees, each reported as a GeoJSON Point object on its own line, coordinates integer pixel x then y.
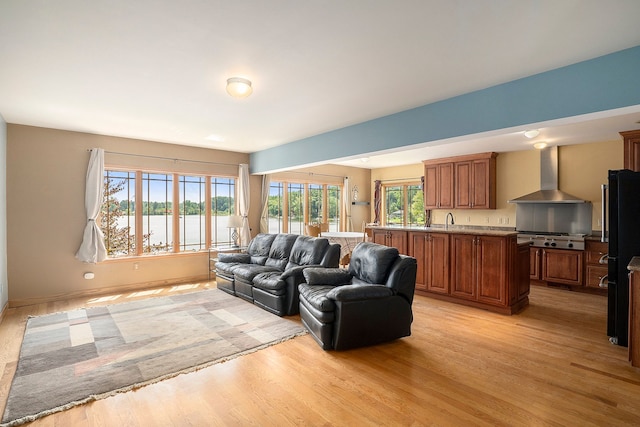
{"type": "Point", "coordinates": [395, 205]}
{"type": "Point", "coordinates": [220, 205]}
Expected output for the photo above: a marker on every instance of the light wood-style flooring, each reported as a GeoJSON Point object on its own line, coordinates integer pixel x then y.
{"type": "Point", "coordinates": [549, 365]}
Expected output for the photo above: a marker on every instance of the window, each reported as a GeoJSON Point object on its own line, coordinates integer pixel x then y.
{"type": "Point", "coordinates": [147, 201]}
{"type": "Point", "coordinates": [303, 203]}
{"type": "Point", "coordinates": [117, 219]}
{"type": "Point", "coordinates": [403, 205]}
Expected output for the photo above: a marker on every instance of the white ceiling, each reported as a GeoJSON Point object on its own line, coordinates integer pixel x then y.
{"type": "Point", "coordinates": [156, 69]}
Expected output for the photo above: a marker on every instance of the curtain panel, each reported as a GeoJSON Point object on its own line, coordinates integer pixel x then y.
{"type": "Point", "coordinates": [264, 215]}
{"type": "Point", "coordinates": [243, 193]}
{"type": "Point", "coordinates": [92, 248]}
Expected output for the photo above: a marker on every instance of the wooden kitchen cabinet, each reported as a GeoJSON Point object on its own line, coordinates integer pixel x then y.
{"type": "Point", "coordinates": [431, 251]}
{"type": "Point", "coordinates": [393, 238]}
{"type": "Point", "coordinates": [478, 266]}
{"type": "Point", "coordinates": [438, 186]}
{"type": "Point", "coordinates": [464, 182]}
{"type": "Point", "coordinates": [475, 183]}
{"type": "Point", "coordinates": [594, 270]}
{"type": "Point", "coordinates": [631, 149]}
{"type": "Point", "coordinates": [562, 266]}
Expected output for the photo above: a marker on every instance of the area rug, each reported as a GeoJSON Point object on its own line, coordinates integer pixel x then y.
{"type": "Point", "coordinates": [82, 355]}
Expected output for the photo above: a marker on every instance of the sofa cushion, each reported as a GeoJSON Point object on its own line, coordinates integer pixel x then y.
{"type": "Point", "coordinates": [228, 267]}
{"type": "Point", "coordinates": [370, 262]}
{"type": "Point", "coordinates": [259, 248]}
{"type": "Point", "coordinates": [316, 297]}
{"type": "Point", "coordinates": [247, 272]}
{"type": "Point", "coordinates": [234, 258]}
{"type": "Point", "coordinates": [280, 251]}
{"type": "Point", "coordinates": [270, 281]}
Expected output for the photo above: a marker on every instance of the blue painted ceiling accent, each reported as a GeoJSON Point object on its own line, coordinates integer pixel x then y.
{"type": "Point", "coordinates": [599, 84]}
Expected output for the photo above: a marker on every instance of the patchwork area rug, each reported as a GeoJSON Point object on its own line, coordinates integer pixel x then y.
{"type": "Point", "coordinates": [82, 355]}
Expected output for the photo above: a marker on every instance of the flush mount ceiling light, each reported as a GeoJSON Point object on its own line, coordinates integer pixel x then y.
{"type": "Point", "coordinates": [540, 145]}
{"type": "Point", "coordinates": [239, 87]}
{"type": "Point", "coordinates": [531, 133]}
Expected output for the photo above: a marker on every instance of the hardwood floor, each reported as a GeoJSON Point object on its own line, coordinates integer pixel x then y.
{"type": "Point", "coordinates": [549, 365]}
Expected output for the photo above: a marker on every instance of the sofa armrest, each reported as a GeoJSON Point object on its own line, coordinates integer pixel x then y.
{"type": "Point", "coordinates": [359, 292]}
{"type": "Point", "coordinates": [327, 276]}
{"type": "Point", "coordinates": [234, 257]}
{"type": "Point", "coordinates": [297, 271]}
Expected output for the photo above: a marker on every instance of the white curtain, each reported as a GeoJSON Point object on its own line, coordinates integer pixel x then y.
{"type": "Point", "coordinates": [243, 194]}
{"type": "Point", "coordinates": [92, 249]}
{"type": "Point", "coordinates": [264, 215]}
{"type": "Point", "coordinates": [346, 204]}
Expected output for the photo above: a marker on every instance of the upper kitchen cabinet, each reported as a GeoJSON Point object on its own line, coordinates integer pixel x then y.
{"type": "Point", "coordinates": [631, 149]}
{"type": "Point", "coordinates": [438, 185]}
{"type": "Point", "coordinates": [464, 182]}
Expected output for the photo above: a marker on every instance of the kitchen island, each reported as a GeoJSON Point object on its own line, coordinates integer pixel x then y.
{"type": "Point", "coordinates": [484, 268]}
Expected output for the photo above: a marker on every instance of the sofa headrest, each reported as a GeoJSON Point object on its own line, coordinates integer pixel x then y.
{"type": "Point", "coordinates": [370, 262]}
{"type": "Point", "coordinates": [281, 250]}
{"type": "Point", "coordinates": [307, 250]}
{"type": "Point", "coordinates": [259, 248]}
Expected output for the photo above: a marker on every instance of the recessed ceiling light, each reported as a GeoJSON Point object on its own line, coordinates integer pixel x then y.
{"type": "Point", "coordinates": [531, 133]}
{"type": "Point", "coordinates": [364, 159]}
{"type": "Point", "coordinates": [215, 138]}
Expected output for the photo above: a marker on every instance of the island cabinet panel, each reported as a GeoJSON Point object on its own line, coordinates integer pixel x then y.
{"type": "Point", "coordinates": [431, 251]}
{"type": "Point", "coordinates": [463, 266]}
{"type": "Point", "coordinates": [393, 238]}
{"type": "Point", "coordinates": [489, 270]}
{"type": "Point", "coordinates": [491, 260]}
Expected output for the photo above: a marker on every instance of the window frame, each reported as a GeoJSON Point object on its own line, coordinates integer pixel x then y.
{"type": "Point", "coordinates": [406, 206]}
{"type": "Point", "coordinates": [178, 244]}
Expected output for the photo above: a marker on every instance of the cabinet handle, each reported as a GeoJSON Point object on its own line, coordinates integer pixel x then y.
{"type": "Point", "coordinates": [604, 259]}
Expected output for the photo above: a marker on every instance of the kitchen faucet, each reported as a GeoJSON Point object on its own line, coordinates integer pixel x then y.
{"type": "Point", "coordinates": [446, 224]}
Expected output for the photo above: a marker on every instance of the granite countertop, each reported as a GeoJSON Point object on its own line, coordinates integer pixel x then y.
{"type": "Point", "coordinates": [454, 229]}
{"type": "Point", "coordinates": [634, 265]}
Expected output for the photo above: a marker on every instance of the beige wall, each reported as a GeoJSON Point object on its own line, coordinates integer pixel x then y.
{"type": "Point", "coordinates": [45, 198]}
{"type": "Point", "coordinates": [582, 169]}
{"type": "Point", "coordinates": [4, 290]}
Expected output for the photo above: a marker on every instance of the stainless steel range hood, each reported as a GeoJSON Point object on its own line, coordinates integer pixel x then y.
{"type": "Point", "coordinates": [549, 192]}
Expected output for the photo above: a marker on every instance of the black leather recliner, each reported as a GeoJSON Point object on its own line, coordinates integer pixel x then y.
{"type": "Point", "coordinates": [366, 304]}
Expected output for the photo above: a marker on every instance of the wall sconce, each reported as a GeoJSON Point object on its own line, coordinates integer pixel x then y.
{"type": "Point", "coordinates": [239, 87]}
{"type": "Point", "coordinates": [235, 222]}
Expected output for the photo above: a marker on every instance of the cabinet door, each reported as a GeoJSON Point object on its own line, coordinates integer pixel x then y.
{"type": "Point", "coordinates": [594, 275]}
{"type": "Point", "coordinates": [438, 186]}
{"type": "Point", "coordinates": [380, 237]}
{"type": "Point", "coordinates": [534, 263]}
{"type": "Point", "coordinates": [398, 240]}
{"type": "Point", "coordinates": [491, 260]}
{"type": "Point", "coordinates": [562, 266]}
{"type": "Point", "coordinates": [463, 185]}
{"type": "Point", "coordinates": [463, 266]}
{"type": "Point", "coordinates": [431, 186]}
{"type": "Point", "coordinates": [631, 150]}
{"type": "Point", "coordinates": [437, 263]}
{"type": "Point", "coordinates": [417, 249]}
{"type": "Point", "coordinates": [445, 186]}
{"type": "Point", "coordinates": [482, 185]}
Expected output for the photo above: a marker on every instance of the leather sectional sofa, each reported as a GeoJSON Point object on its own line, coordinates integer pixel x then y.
{"type": "Point", "coordinates": [269, 273]}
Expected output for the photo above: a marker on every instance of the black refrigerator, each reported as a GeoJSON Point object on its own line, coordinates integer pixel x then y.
{"type": "Point", "coordinates": [624, 244]}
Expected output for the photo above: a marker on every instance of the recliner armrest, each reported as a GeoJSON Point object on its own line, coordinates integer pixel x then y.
{"type": "Point", "coordinates": [327, 276]}
{"type": "Point", "coordinates": [235, 257]}
{"type": "Point", "coordinates": [297, 271]}
{"type": "Point", "coordinates": [359, 292]}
